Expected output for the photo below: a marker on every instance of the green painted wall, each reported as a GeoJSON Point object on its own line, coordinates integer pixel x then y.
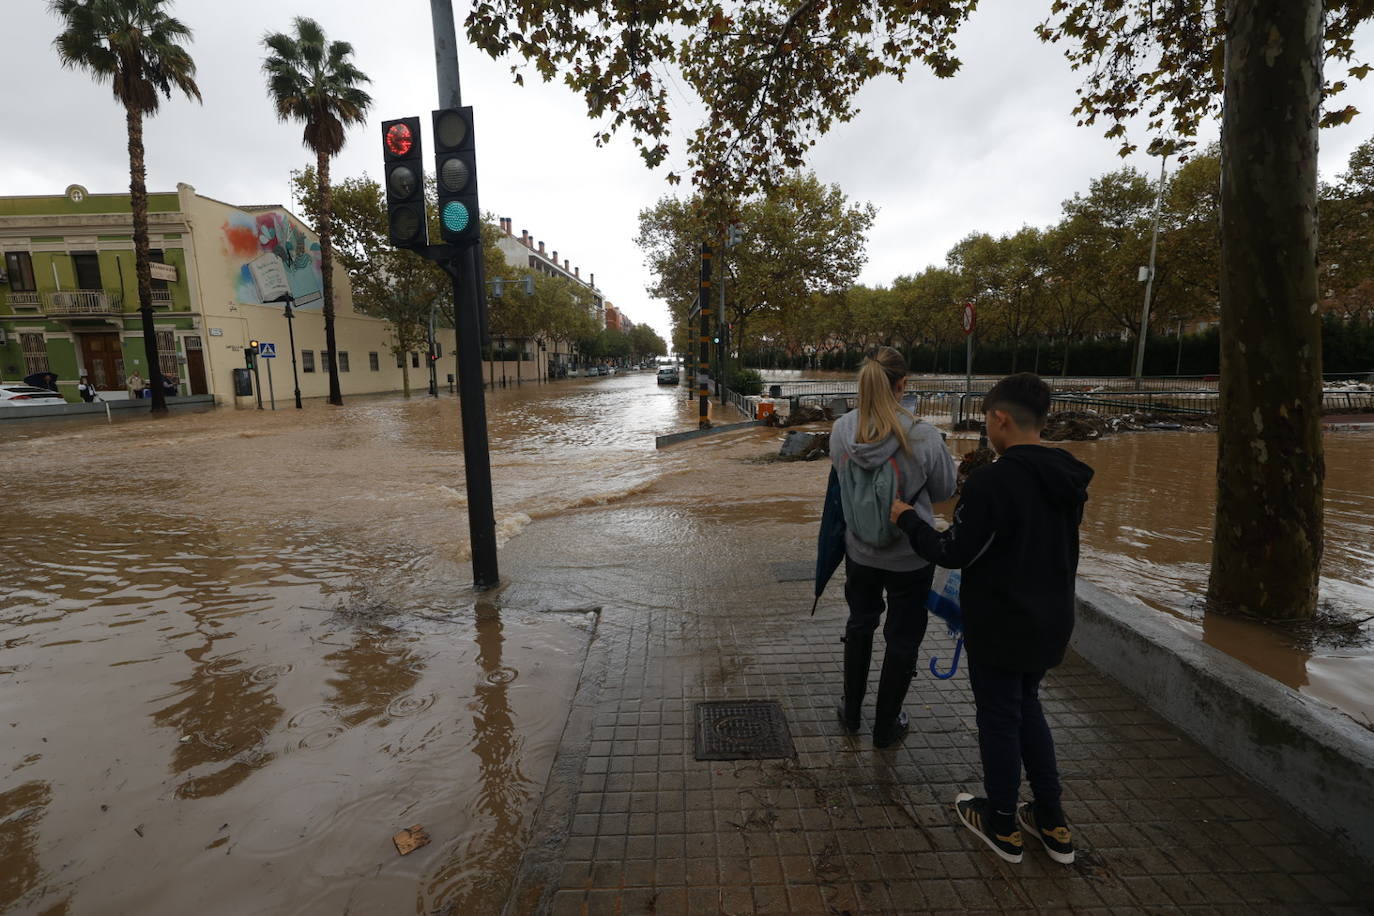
{"type": "Point", "coordinates": [58, 204]}
{"type": "Point", "coordinates": [113, 266]}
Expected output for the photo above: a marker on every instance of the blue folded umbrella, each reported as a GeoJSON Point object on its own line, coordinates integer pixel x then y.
{"type": "Point", "coordinates": [830, 541]}
{"type": "Point", "coordinates": [943, 601]}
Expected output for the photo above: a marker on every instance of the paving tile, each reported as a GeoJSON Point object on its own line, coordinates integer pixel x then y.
{"type": "Point", "coordinates": [1161, 825]}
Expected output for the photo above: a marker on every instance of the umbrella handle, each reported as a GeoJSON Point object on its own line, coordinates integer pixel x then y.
{"type": "Point", "coordinates": [954, 665]}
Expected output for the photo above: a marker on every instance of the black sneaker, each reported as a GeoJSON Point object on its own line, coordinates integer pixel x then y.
{"type": "Point", "coordinates": [976, 815]}
{"type": "Point", "coordinates": [893, 733]}
{"type": "Point", "coordinates": [1056, 838]}
{"type": "Point", "coordinates": [850, 726]}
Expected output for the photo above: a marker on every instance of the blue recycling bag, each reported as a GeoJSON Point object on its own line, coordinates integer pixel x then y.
{"type": "Point", "coordinates": [943, 601]}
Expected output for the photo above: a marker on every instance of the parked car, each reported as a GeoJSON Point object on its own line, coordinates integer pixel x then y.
{"type": "Point", "coordinates": [667, 375]}
{"type": "Point", "coordinates": [603, 370]}
{"type": "Point", "coordinates": [17, 394]}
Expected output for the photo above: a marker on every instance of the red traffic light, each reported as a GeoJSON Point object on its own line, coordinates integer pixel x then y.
{"type": "Point", "coordinates": [400, 140]}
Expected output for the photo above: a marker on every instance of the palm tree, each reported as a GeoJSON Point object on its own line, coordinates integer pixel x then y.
{"type": "Point", "coordinates": [312, 80]}
{"type": "Point", "coordinates": [136, 47]}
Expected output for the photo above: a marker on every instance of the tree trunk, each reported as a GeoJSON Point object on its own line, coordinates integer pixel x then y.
{"type": "Point", "coordinates": [1064, 371]}
{"type": "Point", "coordinates": [1267, 546]}
{"type": "Point", "coordinates": [327, 271]}
{"type": "Point", "coordinates": [138, 203]}
{"type": "Point", "coordinates": [405, 376]}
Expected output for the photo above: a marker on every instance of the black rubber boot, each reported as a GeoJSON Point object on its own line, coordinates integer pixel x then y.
{"type": "Point", "coordinates": [889, 722]}
{"type": "Point", "coordinates": [858, 652]}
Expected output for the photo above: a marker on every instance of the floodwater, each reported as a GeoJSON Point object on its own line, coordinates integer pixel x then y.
{"type": "Point", "coordinates": [239, 650]}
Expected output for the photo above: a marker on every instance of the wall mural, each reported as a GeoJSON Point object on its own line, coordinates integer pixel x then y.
{"type": "Point", "coordinates": [273, 256]}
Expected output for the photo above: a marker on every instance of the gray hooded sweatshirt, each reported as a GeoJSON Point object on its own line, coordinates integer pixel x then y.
{"type": "Point", "coordinates": [929, 461]}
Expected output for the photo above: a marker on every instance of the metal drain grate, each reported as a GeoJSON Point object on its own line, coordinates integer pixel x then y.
{"type": "Point", "coordinates": [742, 730]}
{"type": "Point", "coordinates": [794, 570]}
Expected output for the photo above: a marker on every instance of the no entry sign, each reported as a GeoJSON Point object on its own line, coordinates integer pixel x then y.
{"type": "Point", "coordinates": [970, 318]}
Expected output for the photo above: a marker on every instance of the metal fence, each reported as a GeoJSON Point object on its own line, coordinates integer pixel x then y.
{"type": "Point", "coordinates": [788, 386]}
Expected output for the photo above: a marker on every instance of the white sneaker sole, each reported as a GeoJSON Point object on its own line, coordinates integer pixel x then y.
{"type": "Point", "coordinates": [1005, 856]}
{"type": "Point", "coordinates": [1027, 829]}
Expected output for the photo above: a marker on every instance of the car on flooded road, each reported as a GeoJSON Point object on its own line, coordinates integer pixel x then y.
{"type": "Point", "coordinates": [667, 375]}
{"type": "Point", "coordinates": [19, 395]}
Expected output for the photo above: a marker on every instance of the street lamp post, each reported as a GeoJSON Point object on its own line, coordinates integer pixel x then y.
{"type": "Point", "coordinates": [291, 334]}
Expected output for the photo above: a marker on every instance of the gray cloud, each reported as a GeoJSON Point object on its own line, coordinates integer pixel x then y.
{"type": "Point", "coordinates": [990, 150]}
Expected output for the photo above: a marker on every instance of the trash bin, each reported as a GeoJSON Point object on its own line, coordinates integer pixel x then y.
{"type": "Point", "coordinates": [765, 410]}
{"type": "Point", "coordinates": [243, 383]}
{"type": "Point", "coordinates": [775, 391]}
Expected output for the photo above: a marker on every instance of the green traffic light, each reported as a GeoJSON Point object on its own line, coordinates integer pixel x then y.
{"type": "Point", "coordinates": [455, 216]}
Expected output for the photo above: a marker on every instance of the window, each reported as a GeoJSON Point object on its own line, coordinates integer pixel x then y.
{"type": "Point", "coordinates": [35, 353]}
{"type": "Point", "coordinates": [19, 265]}
{"type": "Point", "coordinates": [87, 266]}
{"type": "Point", "coordinates": [373, 363]}
{"type": "Point", "coordinates": [307, 360]}
{"type": "Point", "coordinates": [414, 360]}
{"type": "Point", "coordinates": [400, 360]}
{"type": "Point", "coordinates": [343, 360]}
{"type": "Point", "coordinates": [167, 353]}
{"type": "Point", "coordinates": [324, 360]}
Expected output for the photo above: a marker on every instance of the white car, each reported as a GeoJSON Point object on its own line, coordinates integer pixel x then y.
{"type": "Point", "coordinates": [17, 394]}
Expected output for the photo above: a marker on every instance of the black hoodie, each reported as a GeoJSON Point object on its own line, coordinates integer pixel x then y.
{"type": "Point", "coordinates": [1015, 536]}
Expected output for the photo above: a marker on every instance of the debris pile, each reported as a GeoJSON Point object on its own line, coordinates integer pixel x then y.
{"type": "Point", "coordinates": [800, 446]}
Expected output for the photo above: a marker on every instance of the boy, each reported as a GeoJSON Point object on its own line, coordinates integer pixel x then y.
{"type": "Point", "coordinates": [1015, 535]}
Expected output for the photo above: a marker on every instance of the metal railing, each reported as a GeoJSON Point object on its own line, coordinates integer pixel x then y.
{"type": "Point", "coordinates": [24, 300]}
{"type": "Point", "coordinates": [84, 302]}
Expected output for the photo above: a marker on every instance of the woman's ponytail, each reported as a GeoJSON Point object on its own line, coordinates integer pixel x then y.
{"type": "Point", "coordinates": [878, 406]}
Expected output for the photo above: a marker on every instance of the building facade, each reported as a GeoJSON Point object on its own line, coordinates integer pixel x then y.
{"type": "Point", "coordinates": [69, 297]}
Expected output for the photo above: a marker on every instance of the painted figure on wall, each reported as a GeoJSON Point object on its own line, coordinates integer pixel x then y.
{"type": "Point", "coordinates": [273, 256]}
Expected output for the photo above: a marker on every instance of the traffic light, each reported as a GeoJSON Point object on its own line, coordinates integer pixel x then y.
{"type": "Point", "coordinates": [404, 175]}
{"type": "Point", "coordinates": [455, 168]}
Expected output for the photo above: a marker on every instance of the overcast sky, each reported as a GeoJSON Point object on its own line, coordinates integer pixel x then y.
{"type": "Point", "coordinates": [990, 150]}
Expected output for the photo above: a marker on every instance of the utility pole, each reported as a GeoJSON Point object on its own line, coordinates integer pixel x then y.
{"type": "Point", "coordinates": [1149, 279]}
{"type": "Point", "coordinates": [462, 268]}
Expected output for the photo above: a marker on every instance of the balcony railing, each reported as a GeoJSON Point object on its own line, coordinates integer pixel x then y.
{"type": "Point", "coordinates": [24, 301]}
{"type": "Point", "coordinates": [162, 298]}
{"type": "Point", "coordinates": [75, 302]}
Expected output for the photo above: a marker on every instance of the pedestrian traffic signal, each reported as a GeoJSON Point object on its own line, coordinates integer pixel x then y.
{"type": "Point", "coordinates": [455, 169]}
{"type": "Point", "coordinates": [404, 175]}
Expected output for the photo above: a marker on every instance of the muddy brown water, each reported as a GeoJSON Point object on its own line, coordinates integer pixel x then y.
{"type": "Point", "coordinates": [239, 652]}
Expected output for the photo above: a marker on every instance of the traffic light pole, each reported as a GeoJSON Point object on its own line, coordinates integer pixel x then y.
{"type": "Point", "coordinates": [462, 266]}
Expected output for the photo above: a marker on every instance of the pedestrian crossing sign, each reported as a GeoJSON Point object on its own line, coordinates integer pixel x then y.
{"type": "Point", "coordinates": [267, 350]}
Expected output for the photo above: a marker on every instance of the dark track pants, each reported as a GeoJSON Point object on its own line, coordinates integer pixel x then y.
{"type": "Point", "coordinates": [1012, 730]}
{"type": "Point", "coordinates": [905, 626]}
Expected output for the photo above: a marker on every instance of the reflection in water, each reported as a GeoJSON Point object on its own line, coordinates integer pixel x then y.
{"type": "Point", "coordinates": [20, 873]}
{"type": "Point", "coordinates": [489, 855]}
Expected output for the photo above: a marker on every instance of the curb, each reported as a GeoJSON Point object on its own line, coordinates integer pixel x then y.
{"type": "Point", "coordinates": [675, 438]}
{"type": "Point", "coordinates": [1315, 760]}
{"type": "Point", "coordinates": [537, 875]}
{"type": "Point", "coordinates": [97, 409]}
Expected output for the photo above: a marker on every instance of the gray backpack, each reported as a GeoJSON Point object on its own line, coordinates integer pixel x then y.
{"type": "Point", "coordinates": [867, 495]}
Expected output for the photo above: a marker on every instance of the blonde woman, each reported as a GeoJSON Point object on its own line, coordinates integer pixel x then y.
{"type": "Point", "coordinates": [882, 444]}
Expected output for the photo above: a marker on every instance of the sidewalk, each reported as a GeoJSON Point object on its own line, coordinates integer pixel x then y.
{"type": "Point", "coordinates": [632, 823]}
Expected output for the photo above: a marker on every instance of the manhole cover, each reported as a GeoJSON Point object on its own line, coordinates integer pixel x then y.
{"type": "Point", "coordinates": [742, 730]}
{"type": "Point", "coordinates": [793, 571]}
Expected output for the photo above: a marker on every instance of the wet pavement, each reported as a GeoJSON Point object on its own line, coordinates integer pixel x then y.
{"type": "Point", "coordinates": [634, 824]}
{"type": "Point", "coordinates": [239, 652]}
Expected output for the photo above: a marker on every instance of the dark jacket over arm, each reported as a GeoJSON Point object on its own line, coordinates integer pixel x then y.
{"type": "Point", "coordinates": [1015, 536]}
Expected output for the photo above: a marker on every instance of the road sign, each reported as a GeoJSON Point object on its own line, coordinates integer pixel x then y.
{"type": "Point", "coordinates": [267, 350]}
{"type": "Point", "coordinates": [970, 318]}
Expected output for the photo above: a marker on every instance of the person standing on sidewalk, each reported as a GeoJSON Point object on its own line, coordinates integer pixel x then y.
{"type": "Point", "coordinates": [882, 438]}
{"type": "Point", "coordinates": [1015, 536]}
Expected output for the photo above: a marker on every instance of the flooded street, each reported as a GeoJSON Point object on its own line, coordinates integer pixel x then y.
{"type": "Point", "coordinates": [239, 651]}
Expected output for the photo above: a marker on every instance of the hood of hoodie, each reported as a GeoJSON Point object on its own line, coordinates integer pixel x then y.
{"type": "Point", "coordinates": [868, 454]}
{"type": "Point", "coordinates": [1062, 477]}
